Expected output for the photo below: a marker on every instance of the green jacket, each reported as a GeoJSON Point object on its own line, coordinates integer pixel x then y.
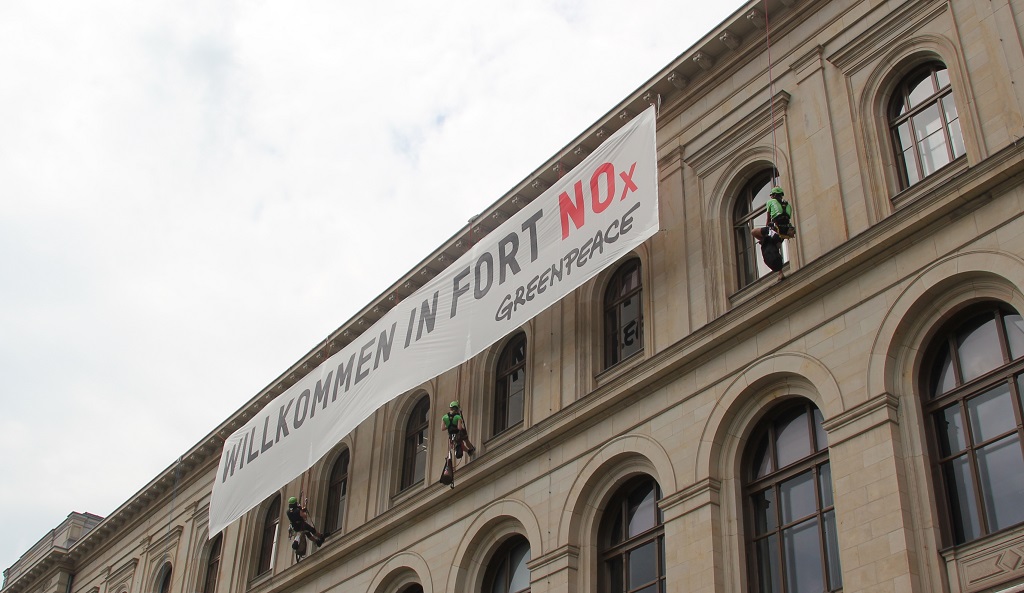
{"type": "Point", "coordinates": [451, 422]}
{"type": "Point", "coordinates": [775, 208]}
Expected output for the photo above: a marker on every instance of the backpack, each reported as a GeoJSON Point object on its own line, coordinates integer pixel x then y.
{"type": "Point", "coordinates": [782, 224]}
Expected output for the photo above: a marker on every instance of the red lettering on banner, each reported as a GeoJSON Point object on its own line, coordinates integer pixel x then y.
{"type": "Point", "coordinates": [568, 209]}
{"type": "Point", "coordinates": [595, 192]}
{"type": "Point", "coordinates": [573, 208]}
{"type": "Point", "coordinates": [628, 178]}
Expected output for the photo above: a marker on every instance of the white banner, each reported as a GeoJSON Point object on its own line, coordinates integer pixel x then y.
{"type": "Point", "coordinates": [591, 217]}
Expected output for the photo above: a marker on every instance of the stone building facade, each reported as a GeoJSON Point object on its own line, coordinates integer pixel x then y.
{"type": "Point", "coordinates": [686, 422]}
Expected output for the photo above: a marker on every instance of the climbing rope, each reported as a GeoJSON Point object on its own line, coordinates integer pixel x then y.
{"type": "Point", "coordinates": [771, 97]}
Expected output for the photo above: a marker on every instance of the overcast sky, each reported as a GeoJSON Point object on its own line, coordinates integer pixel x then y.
{"type": "Point", "coordinates": [193, 194]}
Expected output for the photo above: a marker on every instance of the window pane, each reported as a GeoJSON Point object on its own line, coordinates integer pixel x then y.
{"type": "Point", "coordinates": [802, 546]}
{"type": "Point", "coordinates": [631, 337]}
{"type": "Point", "coordinates": [949, 424]}
{"type": "Point", "coordinates": [825, 485]}
{"type": "Point", "coordinates": [643, 565]}
{"type": "Point", "coordinates": [630, 281]}
{"type": "Point", "coordinates": [835, 574]}
{"type": "Point", "coordinates": [903, 138]}
{"type": "Point", "coordinates": [796, 497]}
{"type": "Point", "coordinates": [963, 505]}
{"type": "Point", "coordinates": [613, 569]}
{"type": "Point", "coordinates": [942, 76]}
{"type": "Point", "coordinates": [1014, 334]}
{"type": "Point", "coordinates": [792, 440]}
{"type": "Point", "coordinates": [760, 195]}
{"type": "Point", "coordinates": [978, 348]}
{"type": "Point", "coordinates": [767, 565]}
{"type": "Point", "coordinates": [642, 511]}
{"type": "Point", "coordinates": [953, 125]}
{"type": "Point", "coordinates": [927, 123]}
{"type": "Point", "coordinates": [520, 574]}
{"type": "Point", "coordinates": [911, 166]}
{"type": "Point", "coordinates": [899, 107]}
{"type": "Point", "coordinates": [991, 413]}
{"type": "Point", "coordinates": [921, 87]}
{"type": "Point", "coordinates": [764, 511]}
{"type": "Point", "coordinates": [498, 584]}
{"type": "Point", "coordinates": [934, 154]}
{"type": "Point", "coordinates": [420, 461]}
{"type": "Point", "coordinates": [943, 378]}
{"type": "Point", "coordinates": [515, 408]}
{"type": "Point", "coordinates": [956, 136]}
{"type": "Point", "coordinates": [820, 438]}
{"type": "Point", "coordinates": [1001, 471]}
{"type": "Point", "coordinates": [762, 460]}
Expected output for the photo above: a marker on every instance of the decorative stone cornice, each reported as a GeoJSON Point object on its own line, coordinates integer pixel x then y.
{"type": "Point", "coordinates": [566, 557]}
{"type": "Point", "coordinates": [705, 61]}
{"type": "Point", "coordinates": [697, 496]}
{"type": "Point", "coordinates": [677, 80]}
{"type": "Point", "coordinates": [730, 40]}
{"type": "Point", "coordinates": [879, 410]}
{"type": "Point", "coordinates": [756, 17]}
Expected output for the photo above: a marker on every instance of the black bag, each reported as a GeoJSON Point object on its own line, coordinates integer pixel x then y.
{"type": "Point", "coordinates": [771, 253]}
{"type": "Point", "coordinates": [448, 473]}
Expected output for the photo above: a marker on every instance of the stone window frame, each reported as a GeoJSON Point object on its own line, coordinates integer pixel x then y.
{"type": "Point", "coordinates": [612, 354]}
{"type": "Point", "coordinates": [1010, 372]}
{"type": "Point", "coordinates": [340, 505]}
{"type": "Point", "coordinates": [266, 518]}
{"type": "Point", "coordinates": [409, 451]}
{"type": "Point", "coordinates": [609, 548]}
{"type": "Point", "coordinates": [502, 370]}
{"type": "Point", "coordinates": [813, 464]}
{"type": "Point", "coordinates": [751, 219]}
{"type": "Point", "coordinates": [873, 67]}
{"type": "Point", "coordinates": [500, 560]}
{"type": "Point", "coordinates": [907, 119]}
{"type": "Point", "coordinates": [164, 577]}
{"type": "Point", "coordinates": [211, 564]}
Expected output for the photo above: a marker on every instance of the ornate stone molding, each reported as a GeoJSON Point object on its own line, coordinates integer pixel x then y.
{"type": "Point", "coordinates": [695, 497]}
{"type": "Point", "coordinates": [873, 413]}
{"type": "Point", "coordinates": [992, 563]}
{"type": "Point", "coordinates": [566, 557]}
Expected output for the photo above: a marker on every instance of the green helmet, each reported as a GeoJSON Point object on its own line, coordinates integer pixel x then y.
{"type": "Point", "coordinates": [293, 501]}
{"type": "Point", "coordinates": [776, 191]}
{"type": "Point", "coordinates": [454, 404]}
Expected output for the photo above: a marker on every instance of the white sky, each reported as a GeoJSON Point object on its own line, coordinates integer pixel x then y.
{"type": "Point", "coordinates": [193, 194]}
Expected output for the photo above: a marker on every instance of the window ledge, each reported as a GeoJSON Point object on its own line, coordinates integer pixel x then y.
{"type": "Point", "coordinates": [978, 565]}
{"type": "Point", "coordinates": [757, 287]}
{"type": "Point", "coordinates": [620, 368]}
{"type": "Point", "coordinates": [928, 185]}
{"type": "Point", "coordinates": [261, 578]}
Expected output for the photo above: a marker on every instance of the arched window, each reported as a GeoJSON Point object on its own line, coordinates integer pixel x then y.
{"type": "Point", "coordinates": [507, 572]}
{"type": "Point", "coordinates": [749, 212]}
{"type": "Point", "coordinates": [337, 493]}
{"type": "Point", "coordinates": [164, 580]}
{"type": "Point", "coordinates": [632, 540]}
{"type": "Point", "coordinates": [268, 538]}
{"type": "Point", "coordinates": [623, 314]}
{"type": "Point", "coordinates": [212, 565]}
{"type": "Point", "coordinates": [414, 588]}
{"type": "Point", "coordinates": [924, 123]}
{"type": "Point", "coordinates": [790, 515]}
{"type": "Point", "coordinates": [414, 452]}
{"type": "Point", "coordinates": [973, 387]}
{"type": "Point", "coordinates": [510, 389]}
